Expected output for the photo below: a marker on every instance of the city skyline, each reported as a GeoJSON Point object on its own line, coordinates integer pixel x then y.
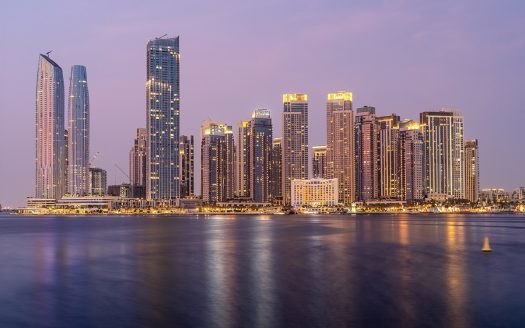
{"type": "Point", "coordinates": [455, 93]}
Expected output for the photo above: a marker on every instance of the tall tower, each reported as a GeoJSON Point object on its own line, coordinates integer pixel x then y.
{"type": "Point", "coordinates": [78, 132]}
{"type": "Point", "coordinates": [242, 161]}
{"type": "Point", "coordinates": [294, 141]}
{"type": "Point", "coordinates": [260, 155]}
{"type": "Point", "coordinates": [50, 146]}
{"type": "Point", "coordinates": [340, 144]}
{"type": "Point", "coordinates": [366, 154]}
{"type": "Point", "coordinates": [137, 159]}
{"type": "Point", "coordinates": [472, 170]}
{"type": "Point", "coordinates": [444, 153]}
{"type": "Point", "coordinates": [187, 166]}
{"type": "Point", "coordinates": [388, 156]}
{"type": "Point", "coordinates": [411, 186]}
{"type": "Point", "coordinates": [319, 162]}
{"type": "Point", "coordinates": [276, 171]}
{"type": "Point", "coordinates": [163, 111]}
{"type": "Point", "coordinates": [217, 165]}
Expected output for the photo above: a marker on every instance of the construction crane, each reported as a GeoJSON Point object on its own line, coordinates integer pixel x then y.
{"type": "Point", "coordinates": [160, 37]}
{"type": "Point", "coordinates": [47, 53]}
{"type": "Point", "coordinates": [93, 158]}
{"type": "Point", "coordinates": [123, 172]}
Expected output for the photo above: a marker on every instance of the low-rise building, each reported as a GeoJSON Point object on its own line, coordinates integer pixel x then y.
{"type": "Point", "coordinates": [314, 193]}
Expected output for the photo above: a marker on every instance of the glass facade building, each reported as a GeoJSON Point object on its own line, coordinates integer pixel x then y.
{"type": "Point", "coordinates": [444, 154]}
{"type": "Point", "coordinates": [163, 111]}
{"type": "Point", "coordinates": [78, 133]}
{"type": "Point", "coordinates": [261, 135]}
{"type": "Point", "coordinates": [50, 157]}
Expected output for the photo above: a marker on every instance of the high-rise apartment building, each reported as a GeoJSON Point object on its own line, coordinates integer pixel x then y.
{"type": "Point", "coordinates": [411, 152]}
{"type": "Point", "coordinates": [276, 171]}
{"type": "Point", "coordinates": [163, 111]}
{"type": "Point", "coordinates": [78, 132]}
{"type": "Point", "coordinates": [217, 164]}
{"type": "Point", "coordinates": [261, 136]}
{"type": "Point", "coordinates": [444, 154]}
{"type": "Point", "coordinates": [319, 162]}
{"type": "Point", "coordinates": [50, 147]}
{"type": "Point", "coordinates": [471, 170]}
{"type": "Point", "coordinates": [388, 156]}
{"type": "Point", "coordinates": [294, 141]}
{"type": "Point", "coordinates": [66, 156]}
{"type": "Point", "coordinates": [366, 154]}
{"type": "Point", "coordinates": [242, 160]}
{"type": "Point", "coordinates": [340, 144]}
{"type": "Point", "coordinates": [187, 166]}
{"type": "Point", "coordinates": [137, 159]}
{"type": "Point", "coordinates": [97, 181]}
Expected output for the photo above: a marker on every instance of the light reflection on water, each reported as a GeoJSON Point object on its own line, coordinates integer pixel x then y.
{"type": "Point", "coordinates": [262, 271]}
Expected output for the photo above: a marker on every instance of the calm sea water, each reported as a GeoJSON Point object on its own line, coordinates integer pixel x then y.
{"type": "Point", "coordinates": [262, 271]}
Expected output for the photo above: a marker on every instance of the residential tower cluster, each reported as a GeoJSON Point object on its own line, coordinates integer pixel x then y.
{"type": "Point", "coordinates": [367, 158]}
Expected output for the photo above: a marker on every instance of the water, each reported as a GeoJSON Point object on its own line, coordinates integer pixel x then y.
{"type": "Point", "coordinates": [262, 271]}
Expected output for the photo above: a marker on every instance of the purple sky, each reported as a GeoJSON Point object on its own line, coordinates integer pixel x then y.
{"type": "Point", "coordinates": [400, 56]}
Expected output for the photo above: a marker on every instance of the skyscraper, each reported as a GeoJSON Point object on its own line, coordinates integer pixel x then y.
{"type": "Point", "coordinates": [50, 147]}
{"type": "Point", "coordinates": [78, 132]}
{"type": "Point", "coordinates": [366, 154]}
{"type": "Point", "coordinates": [388, 156]}
{"type": "Point", "coordinates": [187, 166]}
{"type": "Point", "coordinates": [411, 152]}
{"type": "Point", "coordinates": [276, 171]}
{"type": "Point", "coordinates": [444, 153]}
{"type": "Point", "coordinates": [471, 170]}
{"type": "Point", "coordinates": [340, 144]}
{"type": "Point", "coordinates": [319, 162]}
{"type": "Point", "coordinates": [242, 162]}
{"type": "Point", "coordinates": [217, 165]}
{"type": "Point", "coordinates": [137, 159]}
{"type": "Point", "coordinates": [294, 141]}
{"type": "Point", "coordinates": [163, 110]}
{"type": "Point", "coordinates": [260, 155]}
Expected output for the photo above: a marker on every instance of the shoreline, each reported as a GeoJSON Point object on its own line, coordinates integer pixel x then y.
{"type": "Point", "coordinates": [116, 214]}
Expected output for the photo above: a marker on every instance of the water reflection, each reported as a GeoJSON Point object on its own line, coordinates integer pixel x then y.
{"type": "Point", "coordinates": [263, 271]}
{"type": "Point", "coordinates": [221, 269]}
{"type": "Point", "coordinates": [456, 278]}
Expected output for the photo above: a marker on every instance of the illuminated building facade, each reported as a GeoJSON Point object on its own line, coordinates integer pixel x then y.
{"type": "Point", "coordinates": [276, 171]}
{"type": "Point", "coordinates": [388, 156]}
{"type": "Point", "coordinates": [261, 135]}
{"type": "Point", "coordinates": [319, 162]}
{"type": "Point", "coordinates": [471, 170]}
{"type": "Point", "coordinates": [294, 141]}
{"type": "Point", "coordinates": [78, 132]}
{"type": "Point", "coordinates": [97, 181]}
{"type": "Point", "coordinates": [411, 161]}
{"type": "Point", "coordinates": [314, 192]}
{"type": "Point", "coordinates": [444, 153]}
{"type": "Point", "coordinates": [137, 158]}
{"type": "Point", "coordinates": [187, 166]}
{"type": "Point", "coordinates": [50, 154]}
{"type": "Point", "coordinates": [163, 111]}
{"type": "Point", "coordinates": [217, 164]}
{"type": "Point", "coordinates": [340, 144]}
{"type": "Point", "coordinates": [366, 154]}
{"type": "Point", "coordinates": [242, 162]}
